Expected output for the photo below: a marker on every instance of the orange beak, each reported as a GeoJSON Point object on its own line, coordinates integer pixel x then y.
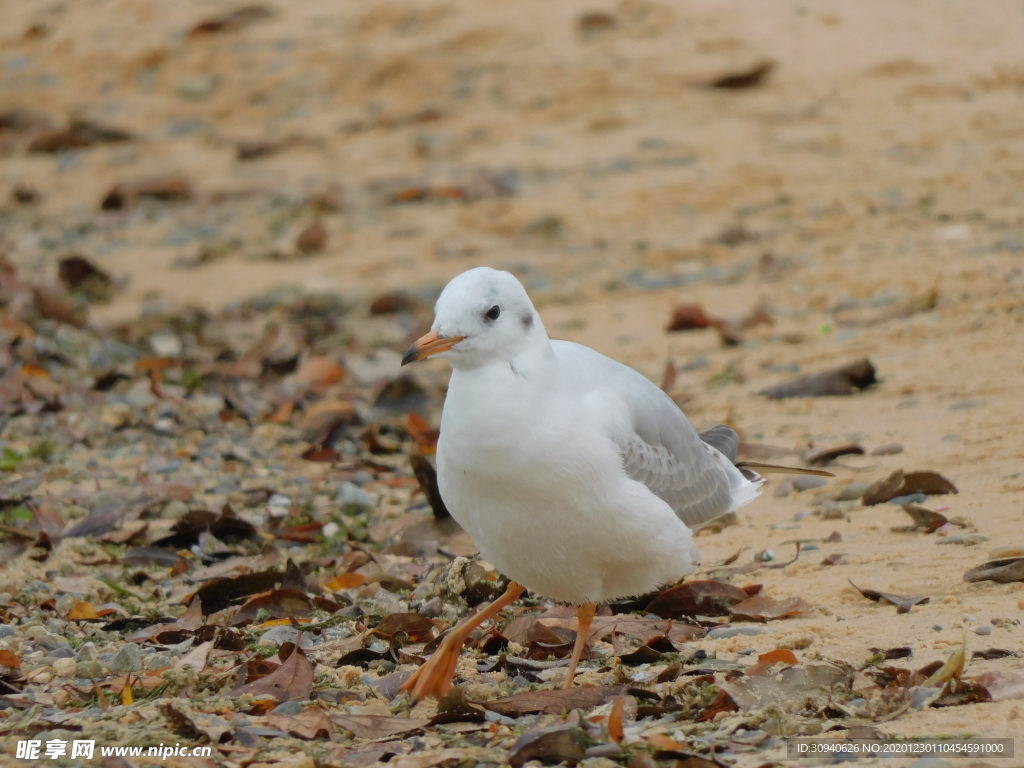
{"type": "Point", "coordinates": [428, 345]}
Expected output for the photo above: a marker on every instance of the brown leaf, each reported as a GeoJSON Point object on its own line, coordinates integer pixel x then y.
{"type": "Point", "coordinates": [763, 608]}
{"type": "Point", "coordinates": [924, 519]}
{"type": "Point", "coordinates": [843, 380]}
{"type": "Point", "coordinates": [9, 659]}
{"type": "Point", "coordinates": [903, 603]}
{"type": "Point", "coordinates": [79, 275]}
{"type": "Point", "coordinates": [82, 611]}
{"type": "Point", "coordinates": [1002, 684]}
{"type": "Point", "coordinates": [419, 628]}
{"type": "Point", "coordinates": [219, 594]}
{"type": "Point", "coordinates": [320, 369]}
{"type": "Point", "coordinates": [56, 306]}
{"type": "Point", "coordinates": [761, 690]}
{"type": "Point", "coordinates": [279, 604]}
{"type": "Point", "coordinates": [78, 135]}
{"type": "Point", "coordinates": [292, 680]}
{"type": "Point", "coordinates": [555, 745]}
{"type": "Point", "coordinates": [196, 658]}
{"type": "Point", "coordinates": [1001, 571]}
{"type": "Point", "coordinates": [310, 723]}
{"type": "Point", "coordinates": [553, 702]}
{"type": "Point", "coordinates": [824, 457]}
{"type": "Point", "coordinates": [723, 703]}
{"type": "Point", "coordinates": [746, 78]}
{"type": "Point", "coordinates": [312, 239]}
{"type": "Point", "coordinates": [190, 621]}
{"type": "Point", "coordinates": [766, 661]}
{"type": "Point", "coordinates": [704, 598]}
{"type": "Point", "coordinates": [394, 303]}
{"type": "Point", "coordinates": [378, 726]}
{"type": "Point", "coordinates": [901, 483]}
{"type": "Point", "coordinates": [232, 22]}
{"type": "Point", "coordinates": [623, 712]}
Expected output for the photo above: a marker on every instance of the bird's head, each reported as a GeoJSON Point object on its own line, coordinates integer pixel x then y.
{"type": "Point", "coordinates": [483, 316]}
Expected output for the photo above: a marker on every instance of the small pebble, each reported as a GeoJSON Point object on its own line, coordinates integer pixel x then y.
{"type": "Point", "coordinates": [795, 642]}
{"type": "Point", "coordinates": [853, 491]}
{"type": "Point", "coordinates": [723, 632]}
{"type": "Point", "coordinates": [983, 630]}
{"type": "Point", "coordinates": [65, 668]}
{"type": "Point", "coordinates": [127, 659]}
{"type": "Point", "coordinates": [889, 449]}
{"type": "Point", "coordinates": [6, 630]}
{"type": "Point", "coordinates": [807, 482]}
{"type": "Point", "coordinates": [937, 627]}
{"type": "Point", "coordinates": [746, 651]}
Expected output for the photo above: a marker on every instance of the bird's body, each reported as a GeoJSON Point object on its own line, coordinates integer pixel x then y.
{"type": "Point", "coordinates": [530, 463]}
{"type": "Point", "coordinates": [577, 477]}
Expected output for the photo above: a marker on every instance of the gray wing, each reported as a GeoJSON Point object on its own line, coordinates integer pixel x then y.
{"type": "Point", "coordinates": [664, 451]}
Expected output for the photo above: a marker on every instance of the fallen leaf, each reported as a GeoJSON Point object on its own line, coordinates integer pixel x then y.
{"type": "Point", "coordinates": [82, 611]}
{"type": "Point", "coordinates": [696, 598]}
{"type": "Point", "coordinates": [190, 621]}
{"type": "Point", "coordinates": [951, 669]}
{"type": "Point", "coordinates": [196, 658]}
{"type": "Point", "coordinates": [321, 370]}
{"type": "Point", "coordinates": [278, 603]}
{"type": "Point", "coordinates": [1001, 571]}
{"type": "Point", "coordinates": [739, 80]}
{"type": "Point", "coordinates": [901, 483]}
{"type": "Point", "coordinates": [723, 702]}
{"type": "Point", "coordinates": [557, 745]}
{"type": "Point", "coordinates": [232, 22]}
{"type": "Point", "coordinates": [766, 661]}
{"type": "Point", "coordinates": [903, 603]}
{"type": "Point", "coordinates": [292, 680]}
{"type": "Point", "coordinates": [763, 608]}
{"type": "Point", "coordinates": [418, 628]}
{"type": "Point", "coordinates": [310, 723]}
{"type": "Point", "coordinates": [552, 702]}
{"type": "Point", "coordinates": [924, 520]}
{"type": "Point", "coordinates": [761, 690]}
{"type": "Point", "coordinates": [312, 239]}
{"type": "Point", "coordinates": [79, 134]}
{"type": "Point", "coordinates": [378, 726]}
{"type": "Point", "coordinates": [824, 457]}
{"type": "Point", "coordinates": [394, 303]}
{"type": "Point", "coordinates": [1002, 684]}
{"type": "Point", "coordinates": [843, 380]}
{"type": "Point", "coordinates": [623, 712]}
{"type": "Point", "coordinates": [9, 659]}
{"type": "Point", "coordinates": [344, 581]}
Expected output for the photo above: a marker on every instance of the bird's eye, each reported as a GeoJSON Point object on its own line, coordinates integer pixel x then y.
{"type": "Point", "coordinates": [493, 312]}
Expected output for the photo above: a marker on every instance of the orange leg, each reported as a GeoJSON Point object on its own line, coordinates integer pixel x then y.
{"type": "Point", "coordinates": [584, 617]}
{"type": "Point", "coordinates": [434, 677]}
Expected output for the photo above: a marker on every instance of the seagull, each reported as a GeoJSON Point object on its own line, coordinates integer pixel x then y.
{"type": "Point", "coordinates": [577, 477]}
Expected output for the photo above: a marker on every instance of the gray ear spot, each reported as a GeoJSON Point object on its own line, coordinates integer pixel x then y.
{"type": "Point", "coordinates": [527, 320]}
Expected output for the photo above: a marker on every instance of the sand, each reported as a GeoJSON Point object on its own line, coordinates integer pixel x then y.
{"type": "Point", "coordinates": [883, 156]}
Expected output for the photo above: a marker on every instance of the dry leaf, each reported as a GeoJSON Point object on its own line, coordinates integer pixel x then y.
{"type": "Point", "coordinates": [292, 680]}
{"type": "Point", "coordinates": [696, 598]}
{"type": "Point", "coordinates": [844, 380]}
{"type": "Point", "coordinates": [900, 483]}
{"type": "Point", "coordinates": [554, 702]}
{"type": "Point", "coordinates": [762, 608]}
{"type": "Point", "coordinates": [903, 603]}
{"type": "Point", "coordinates": [378, 726]}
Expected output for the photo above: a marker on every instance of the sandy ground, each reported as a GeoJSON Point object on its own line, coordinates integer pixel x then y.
{"type": "Point", "coordinates": [883, 156]}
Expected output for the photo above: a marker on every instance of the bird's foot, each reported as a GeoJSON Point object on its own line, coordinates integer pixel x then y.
{"type": "Point", "coordinates": [434, 677]}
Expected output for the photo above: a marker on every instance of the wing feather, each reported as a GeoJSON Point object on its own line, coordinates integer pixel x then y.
{"type": "Point", "coordinates": [662, 449]}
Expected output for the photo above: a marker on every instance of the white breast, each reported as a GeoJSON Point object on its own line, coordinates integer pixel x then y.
{"type": "Point", "coordinates": [535, 480]}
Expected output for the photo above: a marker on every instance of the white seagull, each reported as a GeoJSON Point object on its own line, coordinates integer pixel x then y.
{"type": "Point", "coordinates": [577, 477]}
